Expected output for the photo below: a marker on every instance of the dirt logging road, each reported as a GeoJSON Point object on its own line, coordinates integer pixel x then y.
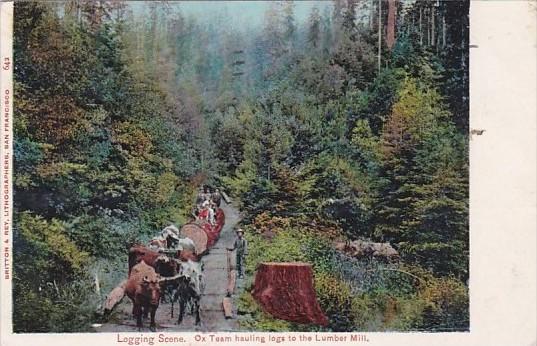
{"type": "Point", "coordinates": [215, 276]}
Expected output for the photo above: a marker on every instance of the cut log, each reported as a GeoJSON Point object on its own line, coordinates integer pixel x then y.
{"type": "Point", "coordinates": [211, 231]}
{"type": "Point", "coordinates": [228, 307]}
{"type": "Point", "coordinates": [198, 236]}
{"type": "Point", "coordinates": [232, 279]}
{"type": "Point", "coordinates": [115, 296]}
{"type": "Point", "coordinates": [220, 218]}
{"type": "Point", "coordinates": [225, 196]}
{"type": "Point", "coordinates": [285, 290]}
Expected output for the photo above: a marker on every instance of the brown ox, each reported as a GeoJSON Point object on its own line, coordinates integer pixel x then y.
{"type": "Point", "coordinates": [143, 288]}
{"type": "Point", "coordinates": [139, 253]}
{"type": "Point", "coordinates": [163, 265]}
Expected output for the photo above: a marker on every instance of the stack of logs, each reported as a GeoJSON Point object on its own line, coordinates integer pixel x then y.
{"type": "Point", "coordinates": [231, 281]}
{"type": "Point", "coordinates": [362, 248]}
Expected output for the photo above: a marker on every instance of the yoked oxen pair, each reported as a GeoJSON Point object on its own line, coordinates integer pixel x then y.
{"type": "Point", "coordinates": [144, 285]}
{"type": "Point", "coordinates": [163, 265]}
{"type": "Point", "coordinates": [150, 272]}
{"type": "Point", "coordinates": [139, 253]}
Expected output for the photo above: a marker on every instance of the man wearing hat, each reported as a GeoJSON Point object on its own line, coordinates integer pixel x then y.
{"type": "Point", "coordinates": [241, 247]}
{"type": "Point", "coordinates": [201, 196]}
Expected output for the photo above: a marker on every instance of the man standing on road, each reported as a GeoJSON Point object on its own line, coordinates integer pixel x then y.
{"type": "Point", "coordinates": [241, 247]}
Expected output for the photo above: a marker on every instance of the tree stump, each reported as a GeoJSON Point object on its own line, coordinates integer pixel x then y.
{"type": "Point", "coordinates": [285, 290]}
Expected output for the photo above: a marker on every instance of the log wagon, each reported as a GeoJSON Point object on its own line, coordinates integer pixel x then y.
{"type": "Point", "coordinates": [203, 233]}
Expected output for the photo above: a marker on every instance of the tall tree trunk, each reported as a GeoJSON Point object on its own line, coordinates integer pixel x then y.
{"type": "Point", "coordinates": [433, 41]}
{"type": "Point", "coordinates": [421, 26]}
{"type": "Point", "coordinates": [139, 41]}
{"type": "Point", "coordinates": [380, 34]}
{"type": "Point", "coordinates": [443, 30]}
{"type": "Point", "coordinates": [428, 16]}
{"type": "Point", "coordinates": [411, 27]}
{"type": "Point", "coordinates": [371, 13]}
{"type": "Point", "coordinates": [390, 26]}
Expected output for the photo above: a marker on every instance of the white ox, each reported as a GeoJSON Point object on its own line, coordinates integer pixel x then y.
{"type": "Point", "coordinates": [188, 285]}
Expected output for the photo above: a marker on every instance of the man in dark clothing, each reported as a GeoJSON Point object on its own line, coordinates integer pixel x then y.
{"type": "Point", "coordinates": [241, 247]}
{"type": "Point", "coordinates": [201, 197]}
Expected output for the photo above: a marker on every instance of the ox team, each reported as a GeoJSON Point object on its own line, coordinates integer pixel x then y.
{"type": "Point", "coordinates": [168, 268]}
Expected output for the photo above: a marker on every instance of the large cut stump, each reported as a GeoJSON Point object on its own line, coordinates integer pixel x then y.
{"type": "Point", "coordinates": [285, 290]}
{"type": "Point", "coordinates": [198, 236]}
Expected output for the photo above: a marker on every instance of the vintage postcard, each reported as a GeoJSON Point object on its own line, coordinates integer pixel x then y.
{"type": "Point", "coordinates": [268, 172]}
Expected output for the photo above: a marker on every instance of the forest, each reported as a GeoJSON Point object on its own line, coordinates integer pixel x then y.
{"type": "Point", "coordinates": [326, 121]}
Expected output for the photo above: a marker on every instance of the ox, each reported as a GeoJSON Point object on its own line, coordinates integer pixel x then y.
{"type": "Point", "coordinates": [190, 289]}
{"type": "Point", "coordinates": [169, 269]}
{"type": "Point", "coordinates": [143, 288]}
{"type": "Point", "coordinates": [167, 238]}
{"type": "Point", "coordinates": [139, 253]}
{"type": "Point", "coordinates": [158, 261]}
{"type": "Point", "coordinates": [188, 284]}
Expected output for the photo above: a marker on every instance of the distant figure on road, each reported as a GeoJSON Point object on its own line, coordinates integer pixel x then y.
{"type": "Point", "coordinates": [216, 197]}
{"type": "Point", "coordinates": [206, 194]}
{"type": "Point", "coordinates": [200, 198]}
{"type": "Point", "coordinates": [241, 247]}
{"type": "Point", "coordinates": [207, 212]}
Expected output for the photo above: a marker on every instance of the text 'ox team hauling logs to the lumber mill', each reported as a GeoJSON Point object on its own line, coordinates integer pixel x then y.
{"type": "Point", "coordinates": [245, 338]}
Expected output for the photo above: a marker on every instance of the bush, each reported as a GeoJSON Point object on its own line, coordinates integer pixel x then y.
{"type": "Point", "coordinates": [50, 240]}
{"type": "Point", "coordinates": [355, 294]}
{"type": "Point", "coordinates": [447, 306]}
{"type": "Point", "coordinates": [252, 317]}
{"type": "Point", "coordinates": [284, 247]}
{"type": "Point", "coordinates": [336, 300]}
{"type": "Point", "coordinates": [54, 307]}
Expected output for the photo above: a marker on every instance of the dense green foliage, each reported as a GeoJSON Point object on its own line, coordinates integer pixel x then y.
{"type": "Point", "coordinates": [381, 155]}
{"type": "Point", "coordinates": [354, 294]}
{"type": "Point", "coordinates": [375, 155]}
{"type": "Point", "coordinates": [119, 117]}
{"type": "Point", "coordinates": [99, 160]}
